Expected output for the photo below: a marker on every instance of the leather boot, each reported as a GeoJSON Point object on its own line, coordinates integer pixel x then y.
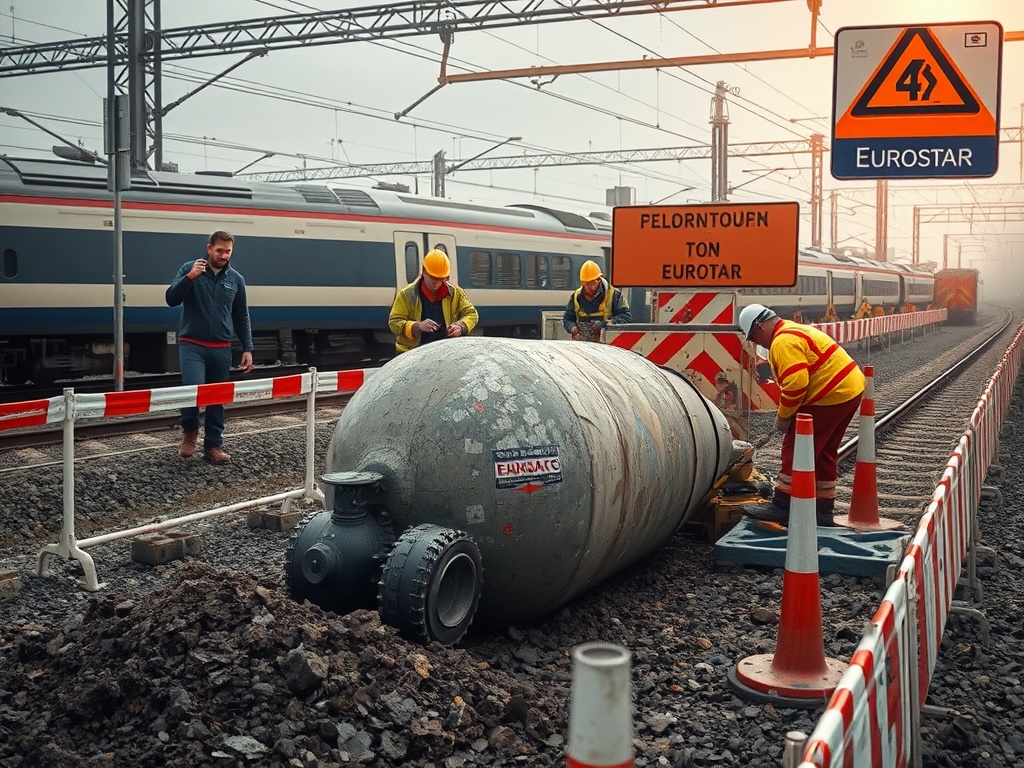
{"type": "Point", "coordinates": [216, 455]}
{"type": "Point", "coordinates": [188, 444]}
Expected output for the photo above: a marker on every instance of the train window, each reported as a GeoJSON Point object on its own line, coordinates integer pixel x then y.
{"type": "Point", "coordinates": [10, 263]}
{"type": "Point", "coordinates": [536, 271]}
{"type": "Point", "coordinates": [480, 269]}
{"type": "Point", "coordinates": [441, 247]}
{"type": "Point", "coordinates": [510, 270]}
{"type": "Point", "coordinates": [842, 286]}
{"type": "Point", "coordinates": [412, 261]}
{"type": "Point", "coordinates": [561, 273]}
{"type": "Point", "coordinates": [812, 285]}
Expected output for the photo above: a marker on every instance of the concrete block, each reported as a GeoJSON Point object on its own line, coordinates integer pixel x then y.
{"type": "Point", "coordinates": [164, 546]}
{"type": "Point", "coordinates": [274, 520]}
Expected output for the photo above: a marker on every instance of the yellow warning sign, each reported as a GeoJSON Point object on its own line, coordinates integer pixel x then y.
{"type": "Point", "coordinates": [916, 78]}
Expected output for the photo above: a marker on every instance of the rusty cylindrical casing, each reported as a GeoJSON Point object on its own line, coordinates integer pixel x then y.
{"type": "Point", "coordinates": [564, 461]}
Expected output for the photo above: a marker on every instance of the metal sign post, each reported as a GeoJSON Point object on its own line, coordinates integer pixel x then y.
{"type": "Point", "coordinates": [116, 145]}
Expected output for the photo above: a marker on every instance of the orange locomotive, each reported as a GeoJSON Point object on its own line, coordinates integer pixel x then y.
{"type": "Point", "coordinates": [957, 291]}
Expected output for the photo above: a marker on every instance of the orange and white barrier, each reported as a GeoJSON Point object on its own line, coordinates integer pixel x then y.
{"type": "Point", "coordinates": [71, 406]}
{"type": "Point", "coordinates": [600, 720]}
{"type": "Point", "coordinates": [873, 718]}
{"type": "Point", "coordinates": [863, 514]}
{"type": "Point", "coordinates": [798, 674]}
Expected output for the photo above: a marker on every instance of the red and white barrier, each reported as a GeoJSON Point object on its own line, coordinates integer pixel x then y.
{"type": "Point", "coordinates": [873, 718]}
{"type": "Point", "coordinates": [798, 674]}
{"type": "Point", "coordinates": [600, 720]}
{"type": "Point", "coordinates": [31, 413]}
{"type": "Point", "coordinates": [71, 406]}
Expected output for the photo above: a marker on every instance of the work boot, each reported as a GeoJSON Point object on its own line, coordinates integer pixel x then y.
{"type": "Point", "coordinates": [215, 455]}
{"type": "Point", "coordinates": [188, 444]}
{"type": "Point", "coordinates": [824, 519]}
{"type": "Point", "coordinates": [767, 512]}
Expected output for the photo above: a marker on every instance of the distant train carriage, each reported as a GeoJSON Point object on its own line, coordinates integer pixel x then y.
{"type": "Point", "coordinates": [957, 291]}
{"type": "Point", "coordinates": [844, 283]}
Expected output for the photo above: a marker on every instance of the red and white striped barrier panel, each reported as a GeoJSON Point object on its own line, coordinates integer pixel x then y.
{"type": "Point", "coordinates": [870, 327]}
{"type": "Point", "coordinates": [701, 356]}
{"type": "Point", "coordinates": [873, 718]}
{"type": "Point", "coordinates": [135, 402]}
{"type": "Point", "coordinates": [343, 381]}
{"type": "Point", "coordinates": [109, 404]}
{"type": "Point", "coordinates": [31, 413]}
{"type": "Point", "coordinates": [798, 674]}
{"type": "Point", "coordinates": [697, 307]}
{"type": "Point", "coordinates": [600, 720]}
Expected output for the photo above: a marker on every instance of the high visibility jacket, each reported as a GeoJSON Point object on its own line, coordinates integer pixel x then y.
{"type": "Point", "coordinates": [407, 310]}
{"type": "Point", "coordinates": [811, 368]}
{"type": "Point", "coordinates": [608, 303]}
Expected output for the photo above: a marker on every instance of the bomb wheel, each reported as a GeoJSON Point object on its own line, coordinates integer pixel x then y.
{"type": "Point", "coordinates": [430, 585]}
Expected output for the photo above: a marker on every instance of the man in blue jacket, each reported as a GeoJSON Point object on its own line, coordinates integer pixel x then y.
{"type": "Point", "coordinates": [214, 309]}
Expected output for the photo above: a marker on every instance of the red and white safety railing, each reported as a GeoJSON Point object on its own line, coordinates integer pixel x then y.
{"type": "Point", "coordinates": [884, 325]}
{"type": "Point", "coordinates": [71, 407]}
{"type": "Point", "coordinates": [873, 718]}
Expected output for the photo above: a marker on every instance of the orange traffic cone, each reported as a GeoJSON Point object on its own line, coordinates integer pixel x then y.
{"type": "Point", "coordinates": [863, 514]}
{"type": "Point", "coordinates": [798, 674]}
{"type": "Point", "coordinates": [600, 717]}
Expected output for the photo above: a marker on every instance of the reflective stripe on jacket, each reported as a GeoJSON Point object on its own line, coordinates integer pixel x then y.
{"type": "Point", "coordinates": [407, 310]}
{"type": "Point", "coordinates": [580, 307]}
{"type": "Point", "coordinates": [811, 368]}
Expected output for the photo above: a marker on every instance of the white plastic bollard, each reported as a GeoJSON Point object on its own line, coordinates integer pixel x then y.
{"type": "Point", "coordinates": [600, 711]}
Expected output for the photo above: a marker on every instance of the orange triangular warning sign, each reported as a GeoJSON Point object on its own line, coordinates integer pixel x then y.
{"type": "Point", "coordinates": [917, 77]}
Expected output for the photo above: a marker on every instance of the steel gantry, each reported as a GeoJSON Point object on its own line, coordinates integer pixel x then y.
{"type": "Point", "coordinates": [989, 213]}
{"type": "Point", "coordinates": [140, 44]}
{"type": "Point", "coordinates": [539, 160]}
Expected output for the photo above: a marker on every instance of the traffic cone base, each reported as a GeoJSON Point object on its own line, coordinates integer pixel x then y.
{"type": "Point", "coordinates": [756, 678]}
{"type": "Point", "coordinates": [881, 524]}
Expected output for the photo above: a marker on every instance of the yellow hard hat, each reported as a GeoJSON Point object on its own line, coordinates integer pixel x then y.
{"type": "Point", "coordinates": [589, 271]}
{"type": "Point", "coordinates": [437, 265]}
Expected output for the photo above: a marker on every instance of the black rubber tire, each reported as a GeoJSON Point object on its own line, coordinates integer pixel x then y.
{"type": "Point", "coordinates": [430, 585]}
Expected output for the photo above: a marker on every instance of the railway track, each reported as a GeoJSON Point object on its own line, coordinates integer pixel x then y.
{"type": "Point", "coordinates": [685, 620]}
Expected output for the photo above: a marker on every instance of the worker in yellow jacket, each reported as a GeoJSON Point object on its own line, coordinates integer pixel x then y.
{"type": "Point", "coordinates": [815, 376]}
{"type": "Point", "coordinates": [431, 307]}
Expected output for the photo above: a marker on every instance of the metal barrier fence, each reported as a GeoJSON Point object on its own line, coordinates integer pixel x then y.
{"type": "Point", "coordinates": [873, 718]}
{"type": "Point", "coordinates": [71, 406]}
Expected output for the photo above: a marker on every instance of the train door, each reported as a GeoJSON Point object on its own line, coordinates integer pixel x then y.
{"type": "Point", "coordinates": [410, 248]}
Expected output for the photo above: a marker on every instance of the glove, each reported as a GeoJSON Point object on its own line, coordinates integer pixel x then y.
{"type": "Point", "coordinates": [783, 425]}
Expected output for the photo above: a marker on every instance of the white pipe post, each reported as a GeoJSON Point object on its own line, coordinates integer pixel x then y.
{"type": "Point", "coordinates": [600, 717]}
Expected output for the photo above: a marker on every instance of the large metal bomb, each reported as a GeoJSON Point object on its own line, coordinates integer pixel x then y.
{"type": "Point", "coordinates": [548, 464]}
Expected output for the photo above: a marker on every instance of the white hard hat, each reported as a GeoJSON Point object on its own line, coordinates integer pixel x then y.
{"type": "Point", "coordinates": [754, 313]}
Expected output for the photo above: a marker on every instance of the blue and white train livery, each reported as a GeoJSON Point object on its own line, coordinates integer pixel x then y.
{"type": "Point", "coordinates": [322, 264]}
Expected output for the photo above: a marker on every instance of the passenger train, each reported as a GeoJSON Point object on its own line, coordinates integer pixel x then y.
{"type": "Point", "coordinates": [322, 265]}
{"type": "Point", "coordinates": [844, 282]}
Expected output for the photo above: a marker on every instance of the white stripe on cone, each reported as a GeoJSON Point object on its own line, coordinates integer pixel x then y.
{"type": "Point", "coordinates": [600, 720]}
{"type": "Point", "coordinates": [802, 542]}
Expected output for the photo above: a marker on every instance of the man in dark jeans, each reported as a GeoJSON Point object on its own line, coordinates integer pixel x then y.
{"type": "Point", "coordinates": [214, 309]}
